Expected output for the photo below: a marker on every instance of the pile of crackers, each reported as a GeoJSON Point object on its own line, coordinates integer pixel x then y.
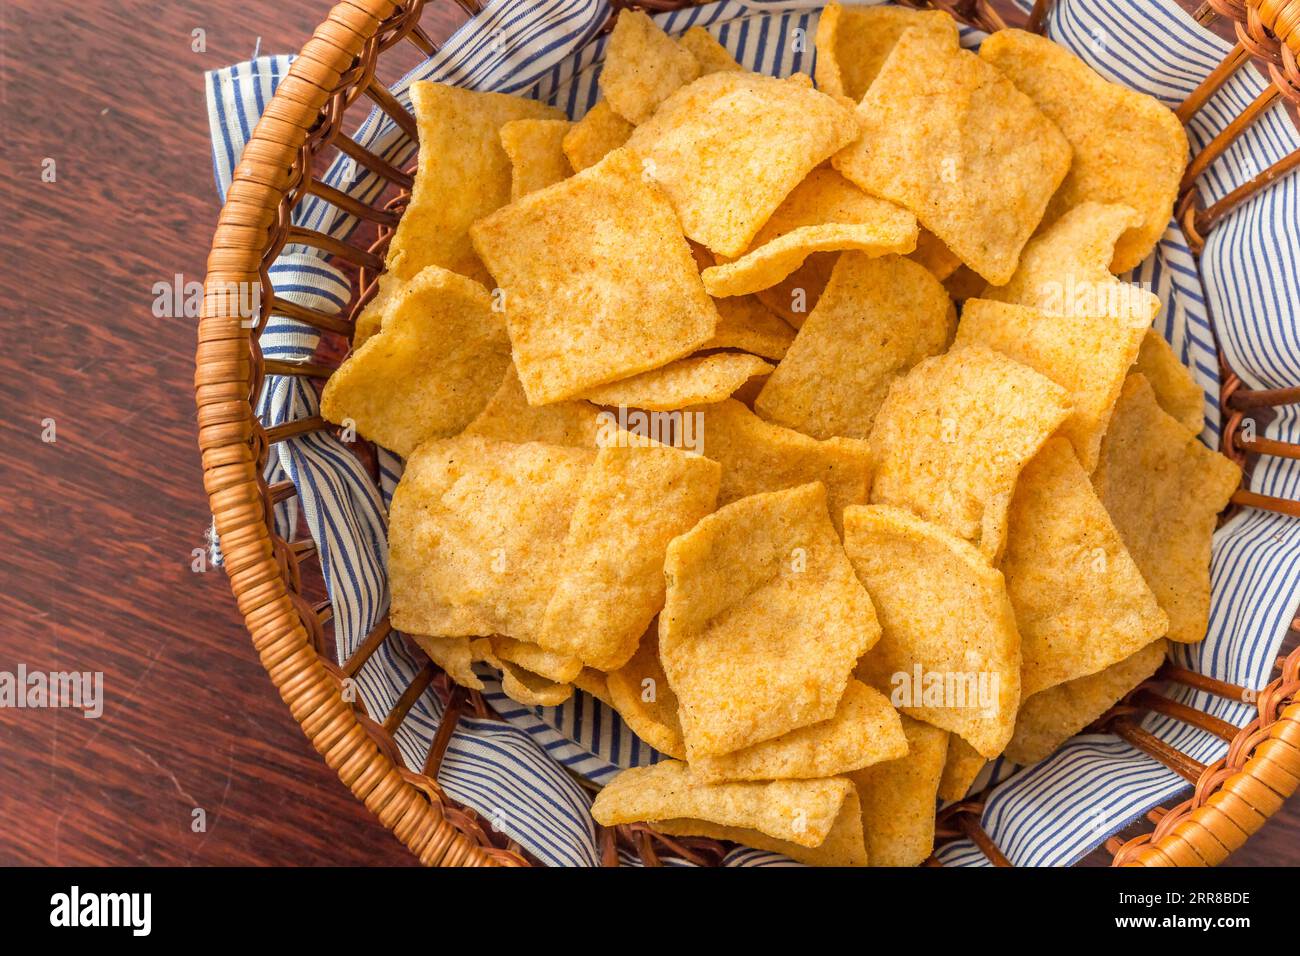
{"type": "Point", "coordinates": [807, 426]}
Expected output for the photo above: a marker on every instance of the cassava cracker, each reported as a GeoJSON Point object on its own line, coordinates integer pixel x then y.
{"type": "Point", "coordinates": [763, 621]}
{"type": "Point", "coordinates": [897, 798]}
{"type": "Point", "coordinates": [953, 434]}
{"type": "Point", "coordinates": [1164, 490]}
{"type": "Point", "coordinates": [698, 380]}
{"type": "Point", "coordinates": [948, 642]}
{"type": "Point", "coordinates": [430, 369]}
{"type": "Point", "coordinates": [976, 164]}
{"type": "Point", "coordinates": [876, 319]}
{"type": "Point", "coordinates": [598, 282]}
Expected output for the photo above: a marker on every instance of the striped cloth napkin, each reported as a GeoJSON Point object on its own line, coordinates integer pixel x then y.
{"type": "Point", "coordinates": [519, 773]}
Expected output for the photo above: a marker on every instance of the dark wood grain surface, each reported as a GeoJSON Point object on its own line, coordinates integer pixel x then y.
{"type": "Point", "coordinates": [97, 528]}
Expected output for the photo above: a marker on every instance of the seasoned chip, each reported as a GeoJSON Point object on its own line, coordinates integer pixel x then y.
{"type": "Point", "coordinates": [853, 42]}
{"type": "Point", "coordinates": [805, 813]}
{"type": "Point", "coordinates": [548, 664]}
{"type": "Point", "coordinates": [977, 163]}
{"type": "Point", "coordinates": [1065, 270]}
{"type": "Point", "coordinates": [636, 499]}
{"type": "Point", "coordinates": [711, 55]}
{"type": "Point", "coordinates": [455, 655]}
{"type": "Point", "coordinates": [594, 136]}
{"type": "Point", "coordinates": [430, 369]}
{"type": "Point", "coordinates": [730, 147]}
{"type": "Point", "coordinates": [1053, 716]}
{"type": "Point", "coordinates": [532, 690]}
{"type": "Point", "coordinates": [509, 417]}
{"type": "Point", "coordinates": [824, 213]}
{"type": "Point", "coordinates": [897, 797]}
{"type": "Point", "coordinates": [745, 323]}
{"type": "Point", "coordinates": [476, 535]}
{"type": "Point", "coordinates": [1164, 490]}
{"type": "Point", "coordinates": [935, 256]}
{"type": "Point", "coordinates": [865, 730]}
{"type": "Point", "coordinates": [876, 319]}
{"type": "Point", "coordinates": [462, 174]}
{"type": "Point", "coordinates": [599, 283]}
{"type": "Point", "coordinates": [1175, 389]}
{"type": "Point", "coordinates": [763, 621]}
{"type": "Point", "coordinates": [954, 433]}
{"type": "Point", "coordinates": [843, 846]}
{"type": "Point", "coordinates": [1128, 147]}
{"type": "Point", "coordinates": [536, 154]}
{"type": "Point", "coordinates": [1087, 354]}
{"type": "Point", "coordinates": [758, 456]}
{"type": "Point", "coordinates": [962, 765]}
{"type": "Point", "coordinates": [949, 652]}
{"type": "Point", "coordinates": [643, 66]}
{"type": "Point", "coordinates": [798, 293]}
{"type": "Point", "coordinates": [699, 380]}
{"type": "Point", "coordinates": [1081, 604]}
{"type": "Point", "coordinates": [640, 692]}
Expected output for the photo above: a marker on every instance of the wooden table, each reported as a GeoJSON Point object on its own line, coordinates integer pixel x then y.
{"type": "Point", "coordinates": [97, 528]}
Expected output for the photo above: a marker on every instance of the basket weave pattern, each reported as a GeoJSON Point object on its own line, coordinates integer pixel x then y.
{"type": "Point", "coordinates": [303, 123]}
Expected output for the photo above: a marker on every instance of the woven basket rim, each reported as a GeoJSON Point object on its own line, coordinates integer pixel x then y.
{"type": "Point", "coordinates": [1232, 798]}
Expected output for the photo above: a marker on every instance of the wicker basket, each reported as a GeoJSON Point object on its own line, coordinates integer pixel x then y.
{"type": "Point", "coordinates": [270, 577]}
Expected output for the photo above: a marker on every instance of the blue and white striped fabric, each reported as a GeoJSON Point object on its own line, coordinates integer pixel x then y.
{"type": "Point", "coordinates": [521, 774]}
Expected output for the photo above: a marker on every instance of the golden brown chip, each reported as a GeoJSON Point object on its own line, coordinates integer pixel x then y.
{"type": "Point", "coordinates": [954, 433]}
{"type": "Point", "coordinates": [1087, 354]}
{"type": "Point", "coordinates": [532, 690]}
{"type": "Point", "coordinates": [595, 136]}
{"type": "Point", "coordinates": [1081, 604]}
{"type": "Point", "coordinates": [758, 456]}
{"type": "Point", "coordinates": [640, 692]}
{"type": "Point", "coordinates": [1175, 389]}
{"type": "Point", "coordinates": [429, 370]}
{"type": "Point", "coordinates": [823, 213]}
{"type": "Point", "coordinates": [935, 256]}
{"type": "Point", "coordinates": [1164, 490]}
{"type": "Point", "coordinates": [898, 798]}
{"type": "Point", "coordinates": [949, 653]}
{"type": "Point", "coordinates": [798, 293]}
{"type": "Point", "coordinates": [711, 55]}
{"type": "Point", "coordinates": [455, 655]}
{"type": "Point", "coordinates": [800, 812]}
{"type": "Point", "coordinates": [763, 621]}
{"type": "Point", "coordinates": [462, 174]}
{"type": "Point", "coordinates": [1128, 147]}
{"type": "Point", "coordinates": [843, 846]}
{"type": "Point", "coordinates": [548, 664]}
{"type": "Point", "coordinates": [962, 765]}
{"type": "Point", "coordinates": [643, 66]}
{"type": "Point", "coordinates": [728, 149]}
{"type": "Point", "coordinates": [745, 323]}
{"type": "Point", "coordinates": [599, 283]}
{"type": "Point", "coordinates": [1053, 716]}
{"type": "Point", "coordinates": [852, 43]}
{"type": "Point", "coordinates": [976, 164]}
{"type": "Point", "coordinates": [509, 417]}
{"type": "Point", "coordinates": [876, 319]}
{"type": "Point", "coordinates": [634, 501]}
{"type": "Point", "coordinates": [698, 380]}
{"type": "Point", "coordinates": [536, 154]}
{"type": "Point", "coordinates": [864, 731]}
{"type": "Point", "coordinates": [476, 535]}
{"type": "Point", "coordinates": [1065, 269]}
